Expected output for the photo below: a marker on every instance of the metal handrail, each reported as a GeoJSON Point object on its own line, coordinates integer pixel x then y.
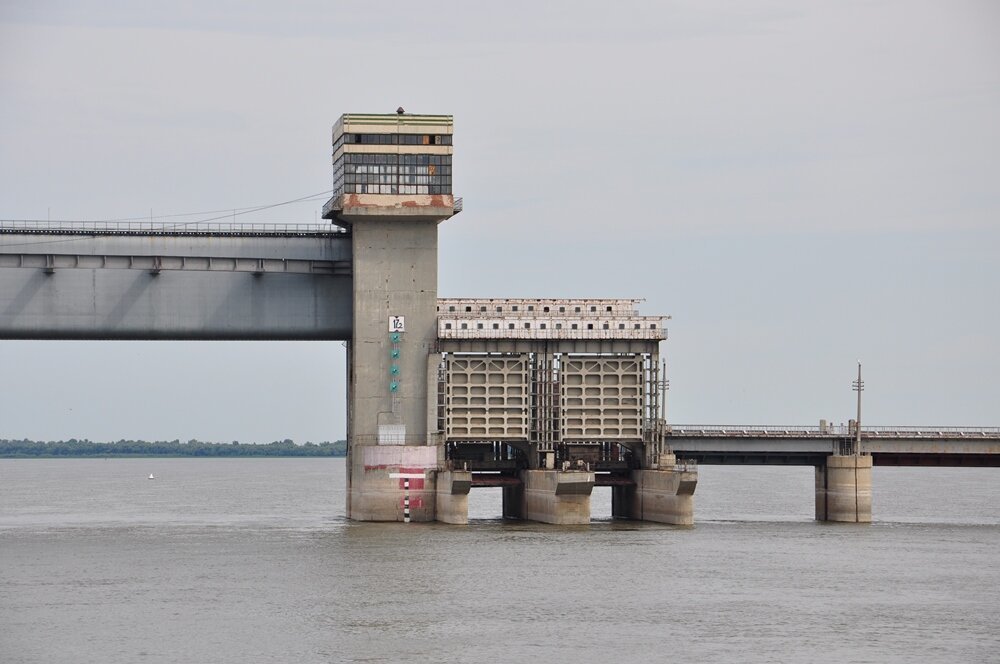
{"type": "Point", "coordinates": [830, 430]}
{"type": "Point", "coordinates": [155, 227]}
{"type": "Point", "coordinates": [531, 334]}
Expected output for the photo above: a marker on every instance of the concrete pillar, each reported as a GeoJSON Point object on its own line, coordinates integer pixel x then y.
{"type": "Point", "coordinates": [453, 496]}
{"type": "Point", "coordinates": [395, 274]}
{"type": "Point", "coordinates": [555, 496]}
{"type": "Point", "coordinates": [663, 496]}
{"type": "Point", "coordinates": [844, 489]}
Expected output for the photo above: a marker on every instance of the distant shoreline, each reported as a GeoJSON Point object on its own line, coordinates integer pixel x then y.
{"type": "Point", "coordinates": [125, 449]}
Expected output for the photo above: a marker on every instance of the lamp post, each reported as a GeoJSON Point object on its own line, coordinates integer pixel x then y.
{"type": "Point", "coordinates": [859, 387]}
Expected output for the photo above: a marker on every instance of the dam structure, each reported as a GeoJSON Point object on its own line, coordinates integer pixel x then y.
{"type": "Point", "coordinates": [431, 383]}
{"type": "Point", "coordinates": [544, 398]}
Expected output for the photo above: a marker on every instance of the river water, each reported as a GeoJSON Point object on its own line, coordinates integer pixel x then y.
{"type": "Point", "coordinates": [251, 560]}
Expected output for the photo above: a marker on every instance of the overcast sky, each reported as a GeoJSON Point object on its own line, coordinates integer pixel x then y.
{"type": "Point", "coordinates": [798, 184]}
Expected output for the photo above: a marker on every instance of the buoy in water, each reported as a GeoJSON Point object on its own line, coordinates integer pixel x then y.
{"type": "Point", "coordinates": [151, 476]}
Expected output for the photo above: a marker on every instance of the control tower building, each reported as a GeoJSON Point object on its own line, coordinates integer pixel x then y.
{"type": "Point", "coordinates": [391, 189]}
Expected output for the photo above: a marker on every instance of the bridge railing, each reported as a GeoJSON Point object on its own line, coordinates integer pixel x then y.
{"type": "Point", "coordinates": [935, 431]}
{"type": "Point", "coordinates": [748, 430]}
{"type": "Point", "coordinates": [753, 429]}
{"type": "Point", "coordinates": [164, 228]}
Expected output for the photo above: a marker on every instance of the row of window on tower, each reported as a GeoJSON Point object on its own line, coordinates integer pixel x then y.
{"type": "Point", "coordinates": [392, 174]}
{"type": "Point", "coordinates": [392, 139]}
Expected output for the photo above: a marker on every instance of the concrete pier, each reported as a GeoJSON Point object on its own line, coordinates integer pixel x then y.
{"type": "Point", "coordinates": [550, 496]}
{"type": "Point", "coordinates": [452, 496]}
{"type": "Point", "coordinates": [664, 495]}
{"type": "Point", "coordinates": [844, 489]}
{"type": "Point", "coordinates": [378, 493]}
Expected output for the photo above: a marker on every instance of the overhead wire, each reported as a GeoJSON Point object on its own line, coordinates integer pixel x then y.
{"type": "Point", "coordinates": [230, 213]}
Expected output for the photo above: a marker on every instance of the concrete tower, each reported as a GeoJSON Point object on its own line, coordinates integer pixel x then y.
{"type": "Point", "coordinates": [391, 188]}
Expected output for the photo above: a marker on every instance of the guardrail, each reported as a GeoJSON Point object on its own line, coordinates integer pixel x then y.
{"type": "Point", "coordinates": [751, 430]}
{"type": "Point", "coordinates": [524, 333]}
{"type": "Point", "coordinates": [164, 228]}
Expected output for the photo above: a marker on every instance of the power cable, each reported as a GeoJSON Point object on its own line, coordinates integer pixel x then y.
{"type": "Point", "coordinates": [230, 213]}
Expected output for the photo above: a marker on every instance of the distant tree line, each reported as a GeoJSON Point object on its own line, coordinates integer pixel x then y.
{"type": "Point", "coordinates": [171, 448]}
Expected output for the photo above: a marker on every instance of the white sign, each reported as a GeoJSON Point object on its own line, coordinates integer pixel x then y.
{"type": "Point", "coordinates": [392, 434]}
{"type": "Point", "coordinates": [397, 324]}
{"type": "Point", "coordinates": [407, 476]}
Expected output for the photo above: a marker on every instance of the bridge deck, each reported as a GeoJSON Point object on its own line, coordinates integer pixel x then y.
{"type": "Point", "coordinates": [803, 445]}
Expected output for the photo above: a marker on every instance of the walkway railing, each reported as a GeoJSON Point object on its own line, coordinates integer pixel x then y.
{"type": "Point", "coordinates": [753, 430]}
{"type": "Point", "coordinates": [163, 228]}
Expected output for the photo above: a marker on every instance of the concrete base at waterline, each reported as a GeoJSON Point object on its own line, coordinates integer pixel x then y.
{"type": "Point", "coordinates": [663, 496]}
{"type": "Point", "coordinates": [844, 489]}
{"type": "Point", "coordinates": [551, 496]}
{"type": "Point", "coordinates": [375, 496]}
{"type": "Point", "coordinates": [453, 496]}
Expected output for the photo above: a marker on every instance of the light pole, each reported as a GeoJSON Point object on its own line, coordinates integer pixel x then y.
{"type": "Point", "coordinates": [859, 387]}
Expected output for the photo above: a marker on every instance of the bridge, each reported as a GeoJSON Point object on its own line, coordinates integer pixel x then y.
{"type": "Point", "coordinates": [545, 398]}
{"type": "Point", "coordinates": [809, 446]}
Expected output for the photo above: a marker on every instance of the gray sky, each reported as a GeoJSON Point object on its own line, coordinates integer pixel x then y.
{"type": "Point", "coordinates": [798, 184]}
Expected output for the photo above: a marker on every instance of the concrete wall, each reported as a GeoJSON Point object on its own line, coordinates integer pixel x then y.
{"type": "Point", "coordinates": [395, 274]}
{"type": "Point", "coordinates": [374, 495]}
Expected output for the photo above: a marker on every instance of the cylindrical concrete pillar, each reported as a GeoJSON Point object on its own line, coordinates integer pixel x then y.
{"type": "Point", "coordinates": [844, 489]}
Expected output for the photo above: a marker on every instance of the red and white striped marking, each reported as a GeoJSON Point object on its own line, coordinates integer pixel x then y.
{"type": "Point", "coordinates": [406, 477]}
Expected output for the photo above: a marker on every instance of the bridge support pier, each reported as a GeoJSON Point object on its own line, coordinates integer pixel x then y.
{"type": "Point", "coordinates": [453, 496]}
{"type": "Point", "coordinates": [844, 489]}
{"type": "Point", "coordinates": [550, 496]}
{"type": "Point", "coordinates": [665, 495]}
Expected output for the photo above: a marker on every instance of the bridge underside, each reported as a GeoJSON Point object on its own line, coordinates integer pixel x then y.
{"type": "Point", "coordinates": [176, 286]}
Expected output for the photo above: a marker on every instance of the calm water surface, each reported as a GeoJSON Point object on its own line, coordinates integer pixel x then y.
{"type": "Point", "coordinates": [251, 560]}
